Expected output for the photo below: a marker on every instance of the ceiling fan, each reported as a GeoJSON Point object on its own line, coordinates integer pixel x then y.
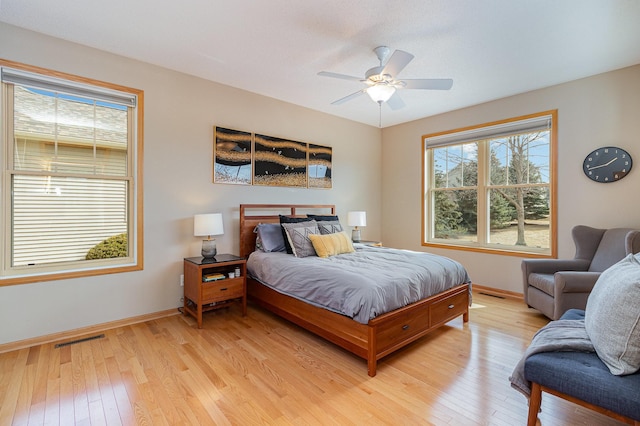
{"type": "Point", "coordinates": [382, 83]}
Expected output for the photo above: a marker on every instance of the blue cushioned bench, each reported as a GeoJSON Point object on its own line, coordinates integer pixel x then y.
{"type": "Point", "coordinates": [584, 379]}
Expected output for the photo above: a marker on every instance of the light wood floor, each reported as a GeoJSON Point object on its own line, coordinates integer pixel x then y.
{"type": "Point", "coordinates": [264, 370]}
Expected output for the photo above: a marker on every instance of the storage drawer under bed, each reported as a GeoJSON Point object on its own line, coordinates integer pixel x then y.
{"type": "Point", "coordinates": [447, 309]}
{"type": "Point", "coordinates": [412, 323]}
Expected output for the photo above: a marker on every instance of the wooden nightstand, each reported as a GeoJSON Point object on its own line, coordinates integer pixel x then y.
{"type": "Point", "coordinates": [202, 296]}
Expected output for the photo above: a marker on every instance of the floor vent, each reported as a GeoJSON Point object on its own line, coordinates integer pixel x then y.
{"type": "Point", "coordinates": [86, 339]}
{"type": "Point", "coordinates": [492, 295]}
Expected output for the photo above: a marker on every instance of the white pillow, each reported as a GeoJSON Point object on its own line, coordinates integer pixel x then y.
{"type": "Point", "coordinates": [612, 316]}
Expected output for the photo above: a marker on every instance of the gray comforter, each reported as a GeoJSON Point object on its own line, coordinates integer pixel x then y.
{"type": "Point", "coordinates": [360, 285]}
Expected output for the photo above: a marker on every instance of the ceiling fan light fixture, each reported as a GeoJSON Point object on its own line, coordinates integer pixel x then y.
{"type": "Point", "coordinates": [380, 93]}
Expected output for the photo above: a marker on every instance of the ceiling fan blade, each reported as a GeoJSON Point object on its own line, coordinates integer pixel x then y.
{"type": "Point", "coordinates": [341, 76]}
{"type": "Point", "coordinates": [395, 102]}
{"type": "Point", "coordinates": [349, 97]}
{"type": "Point", "coordinates": [429, 83]}
{"type": "Point", "coordinates": [397, 62]}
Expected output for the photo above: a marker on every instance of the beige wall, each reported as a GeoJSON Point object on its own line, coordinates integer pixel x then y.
{"type": "Point", "coordinates": [592, 112]}
{"type": "Point", "coordinates": [180, 112]}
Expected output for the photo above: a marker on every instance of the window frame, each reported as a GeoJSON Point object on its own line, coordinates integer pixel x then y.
{"type": "Point", "coordinates": [482, 189]}
{"type": "Point", "coordinates": [65, 270]}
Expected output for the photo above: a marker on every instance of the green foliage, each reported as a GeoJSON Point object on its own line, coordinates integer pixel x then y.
{"type": "Point", "coordinates": [468, 199]}
{"type": "Point", "coordinates": [536, 204]}
{"type": "Point", "coordinates": [501, 212]}
{"type": "Point", "coordinates": [115, 246]}
{"type": "Point", "coordinates": [447, 218]}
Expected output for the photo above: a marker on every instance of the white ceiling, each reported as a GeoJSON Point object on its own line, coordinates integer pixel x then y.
{"type": "Point", "coordinates": [490, 48]}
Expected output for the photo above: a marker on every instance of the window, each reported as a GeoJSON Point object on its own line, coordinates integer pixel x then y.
{"type": "Point", "coordinates": [492, 187]}
{"type": "Point", "coordinates": [71, 187]}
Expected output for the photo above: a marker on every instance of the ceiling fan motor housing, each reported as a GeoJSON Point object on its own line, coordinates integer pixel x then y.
{"type": "Point", "coordinates": [382, 52]}
{"type": "Point", "coordinates": [373, 74]}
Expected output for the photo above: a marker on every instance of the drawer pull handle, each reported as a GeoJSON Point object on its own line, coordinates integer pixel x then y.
{"type": "Point", "coordinates": [405, 327]}
{"type": "Point", "coordinates": [223, 289]}
{"type": "Point", "coordinates": [451, 306]}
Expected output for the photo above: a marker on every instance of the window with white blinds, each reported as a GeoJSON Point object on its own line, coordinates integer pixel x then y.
{"type": "Point", "coordinates": [70, 182]}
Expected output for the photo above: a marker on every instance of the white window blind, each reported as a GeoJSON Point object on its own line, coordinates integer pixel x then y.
{"type": "Point", "coordinates": [58, 219]}
{"type": "Point", "coordinates": [70, 175]}
{"type": "Point", "coordinates": [58, 85]}
{"type": "Point", "coordinates": [491, 131]}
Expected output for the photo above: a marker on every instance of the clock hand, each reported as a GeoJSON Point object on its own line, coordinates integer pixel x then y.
{"type": "Point", "coordinates": [603, 165]}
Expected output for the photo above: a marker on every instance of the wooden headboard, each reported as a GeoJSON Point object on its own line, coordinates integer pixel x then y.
{"type": "Point", "coordinates": [253, 214]}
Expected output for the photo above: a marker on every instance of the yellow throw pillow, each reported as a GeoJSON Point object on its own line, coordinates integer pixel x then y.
{"type": "Point", "coordinates": [331, 244]}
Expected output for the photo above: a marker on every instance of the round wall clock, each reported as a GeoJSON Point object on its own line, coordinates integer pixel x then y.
{"type": "Point", "coordinates": [607, 164]}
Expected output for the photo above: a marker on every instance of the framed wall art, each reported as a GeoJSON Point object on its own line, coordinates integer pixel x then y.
{"type": "Point", "coordinates": [231, 156]}
{"type": "Point", "coordinates": [319, 166]}
{"type": "Point", "coordinates": [279, 162]}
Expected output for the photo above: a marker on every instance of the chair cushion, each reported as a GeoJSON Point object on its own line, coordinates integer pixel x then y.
{"type": "Point", "coordinates": [612, 316]}
{"type": "Point", "coordinates": [584, 376]}
{"type": "Point", "coordinates": [611, 249]}
{"type": "Point", "coordinates": [543, 282]}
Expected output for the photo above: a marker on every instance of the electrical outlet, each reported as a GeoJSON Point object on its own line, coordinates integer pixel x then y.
{"type": "Point", "coordinates": [181, 280]}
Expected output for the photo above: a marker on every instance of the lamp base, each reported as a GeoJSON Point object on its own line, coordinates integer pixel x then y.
{"type": "Point", "coordinates": [355, 235]}
{"type": "Point", "coordinates": [209, 249]}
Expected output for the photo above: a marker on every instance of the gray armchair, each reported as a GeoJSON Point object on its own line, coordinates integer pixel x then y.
{"type": "Point", "coordinates": [553, 286]}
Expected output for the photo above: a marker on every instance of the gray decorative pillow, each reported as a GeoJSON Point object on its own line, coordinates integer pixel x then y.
{"type": "Point", "coordinates": [270, 237]}
{"type": "Point", "coordinates": [298, 236]}
{"type": "Point", "coordinates": [612, 316]}
{"type": "Point", "coordinates": [287, 219]}
{"type": "Point", "coordinates": [329, 227]}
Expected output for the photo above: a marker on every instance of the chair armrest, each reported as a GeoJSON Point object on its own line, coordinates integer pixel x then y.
{"type": "Point", "coordinates": [551, 266]}
{"type": "Point", "coordinates": [575, 281]}
{"type": "Point", "coordinates": [632, 242]}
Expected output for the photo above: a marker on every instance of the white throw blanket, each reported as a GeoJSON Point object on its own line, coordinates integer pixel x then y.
{"type": "Point", "coordinates": [557, 336]}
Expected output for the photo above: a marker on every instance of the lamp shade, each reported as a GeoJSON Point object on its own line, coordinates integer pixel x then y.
{"type": "Point", "coordinates": [380, 92]}
{"type": "Point", "coordinates": [207, 224]}
{"type": "Point", "coordinates": [357, 218]}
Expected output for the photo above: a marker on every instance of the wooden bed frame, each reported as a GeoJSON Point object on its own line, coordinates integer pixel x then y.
{"type": "Point", "coordinates": [382, 335]}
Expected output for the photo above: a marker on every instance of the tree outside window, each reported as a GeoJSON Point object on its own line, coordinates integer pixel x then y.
{"type": "Point", "coordinates": [491, 187]}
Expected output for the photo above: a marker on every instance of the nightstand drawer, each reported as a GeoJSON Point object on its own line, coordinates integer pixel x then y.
{"type": "Point", "coordinates": [222, 290]}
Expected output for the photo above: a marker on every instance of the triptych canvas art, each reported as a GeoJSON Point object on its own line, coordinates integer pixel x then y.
{"type": "Point", "coordinates": [252, 159]}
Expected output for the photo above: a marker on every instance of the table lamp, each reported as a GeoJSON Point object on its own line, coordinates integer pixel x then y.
{"type": "Point", "coordinates": [208, 224]}
{"type": "Point", "coordinates": [356, 219]}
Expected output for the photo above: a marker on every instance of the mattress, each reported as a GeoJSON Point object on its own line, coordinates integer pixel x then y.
{"type": "Point", "coordinates": [361, 285]}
